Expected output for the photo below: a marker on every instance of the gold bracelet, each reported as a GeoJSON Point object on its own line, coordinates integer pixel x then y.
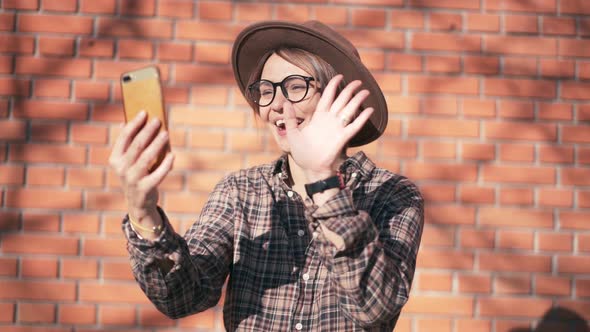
{"type": "Point", "coordinates": [155, 229]}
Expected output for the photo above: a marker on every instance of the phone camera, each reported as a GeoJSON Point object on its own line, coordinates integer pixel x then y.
{"type": "Point", "coordinates": [126, 78]}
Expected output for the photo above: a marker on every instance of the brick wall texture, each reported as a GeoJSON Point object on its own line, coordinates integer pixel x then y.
{"type": "Point", "coordinates": [489, 113]}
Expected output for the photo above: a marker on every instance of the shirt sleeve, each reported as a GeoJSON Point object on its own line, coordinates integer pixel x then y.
{"type": "Point", "coordinates": [373, 271]}
{"type": "Point", "coordinates": [185, 275]}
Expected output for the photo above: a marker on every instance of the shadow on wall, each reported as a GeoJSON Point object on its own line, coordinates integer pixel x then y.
{"type": "Point", "coordinates": [558, 320]}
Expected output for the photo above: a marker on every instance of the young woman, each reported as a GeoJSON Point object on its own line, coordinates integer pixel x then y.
{"type": "Point", "coordinates": [315, 241]}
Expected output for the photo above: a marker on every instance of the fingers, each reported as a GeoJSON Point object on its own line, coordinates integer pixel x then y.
{"type": "Point", "coordinates": [358, 123]}
{"type": "Point", "coordinates": [349, 111]}
{"type": "Point", "coordinates": [148, 155]}
{"type": "Point", "coordinates": [329, 93]}
{"type": "Point", "coordinates": [289, 117]}
{"type": "Point", "coordinates": [143, 138]}
{"type": "Point", "coordinates": [126, 136]}
{"type": "Point", "coordinates": [345, 96]}
{"type": "Point", "coordinates": [157, 176]}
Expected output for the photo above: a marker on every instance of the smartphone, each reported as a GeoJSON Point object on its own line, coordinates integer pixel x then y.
{"type": "Point", "coordinates": [142, 90]}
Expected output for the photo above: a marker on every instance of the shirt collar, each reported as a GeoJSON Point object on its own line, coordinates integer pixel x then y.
{"type": "Point", "coordinates": [358, 162]}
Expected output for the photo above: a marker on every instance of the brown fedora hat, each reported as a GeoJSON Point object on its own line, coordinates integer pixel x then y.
{"type": "Point", "coordinates": [258, 39]}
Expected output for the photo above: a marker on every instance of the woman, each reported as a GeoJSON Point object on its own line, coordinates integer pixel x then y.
{"type": "Point", "coordinates": [315, 241]}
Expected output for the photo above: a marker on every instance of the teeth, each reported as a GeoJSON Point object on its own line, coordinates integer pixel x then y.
{"type": "Point", "coordinates": [280, 122]}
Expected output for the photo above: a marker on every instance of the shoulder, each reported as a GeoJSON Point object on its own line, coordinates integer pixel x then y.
{"type": "Point", "coordinates": [395, 187]}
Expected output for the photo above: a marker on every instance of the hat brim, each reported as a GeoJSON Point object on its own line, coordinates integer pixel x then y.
{"type": "Point", "coordinates": [258, 39]}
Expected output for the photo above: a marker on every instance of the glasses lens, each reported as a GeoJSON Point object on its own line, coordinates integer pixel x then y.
{"type": "Point", "coordinates": [262, 93]}
{"type": "Point", "coordinates": [296, 88]}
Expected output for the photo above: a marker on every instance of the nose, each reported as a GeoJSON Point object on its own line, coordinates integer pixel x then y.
{"type": "Point", "coordinates": [278, 101]}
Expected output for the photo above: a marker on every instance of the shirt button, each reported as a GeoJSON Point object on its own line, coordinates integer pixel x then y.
{"type": "Point", "coordinates": [315, 235]}
{"type": "Point", "coordinates": [290, 193]}
{"type": "Point", "coordinates": [299, 326]}
{"type": "Point", "coordinates": [305, 276]}
{"type": "Point", "coordinates": [300, 232]}
{"type": "Point", "coordinates": [353, 175]}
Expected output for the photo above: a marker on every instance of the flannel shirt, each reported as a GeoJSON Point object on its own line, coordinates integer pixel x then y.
{"type": "Point", "coordinates": [284, 275]}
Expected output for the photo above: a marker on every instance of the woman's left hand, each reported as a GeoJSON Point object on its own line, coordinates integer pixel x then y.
{"type": "Point", "coordinates": [316, 147]}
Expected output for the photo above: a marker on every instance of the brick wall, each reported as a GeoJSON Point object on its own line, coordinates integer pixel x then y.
{"type": "Point", "coordinates": [489, 114]}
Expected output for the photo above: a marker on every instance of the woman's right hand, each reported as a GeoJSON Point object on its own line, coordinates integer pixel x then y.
{"type": "Point", "coordinates": [136, 147]}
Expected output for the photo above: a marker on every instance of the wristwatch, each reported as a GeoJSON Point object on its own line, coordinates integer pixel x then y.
{"type": "Point", "coordinates": [335, 181]}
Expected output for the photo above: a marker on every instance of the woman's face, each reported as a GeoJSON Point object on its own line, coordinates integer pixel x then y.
{"type": "Point", "coordinates": [275, 70]}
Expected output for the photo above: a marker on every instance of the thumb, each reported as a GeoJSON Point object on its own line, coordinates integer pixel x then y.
{"type": "Point", "coordinates": [290, 119]}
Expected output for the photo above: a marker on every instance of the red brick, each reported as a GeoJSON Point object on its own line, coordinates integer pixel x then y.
{"type": "Point", "coordinates": [514, 262]}
{"type": "Point", "coordinates": [92, 90]}
{"type": "Point", "coordinates": [213, 31]}
{"type": "Point", "coordinates": [555, 197]}
{"type": "Point", "coordinates": [472, 194]}
{"type": "Point", "coordinates": [520, 66]}
{"type": "Point", "coordinates": [535, 6]}
{"type": "Point", "coordinates": [513, 307]}
{"type": "Point", "coordinates": [49, 132]}
{"type": "Point", "coordinates": [210, 10]}
{"type": "Point", "coordinates": [584, 199]}
{"type": "Point", "coordinates": [45, 176]}
{"type": "Point", "coordinates": [516, 196]}
{"type": "Point", "coordinates": [6, 65]}
{"type": "Point", "coordinates": [517, 152]}
{"type": "Point", "coordinates": [407, 19]}
{"type": "Point", "coordinates": [204, 74]}
{"type": "Point", "coordinates": [7, 312]}
{"type": "Point", "coordinates": [252, 12]}
{"type": "Point", "coordinates": [555, 241]}
{"type": "Point", "coordinates": [333, 16]}
{"type": "Point", "coordinates": [212, 53]}
{"type": "Point", "coordinates": [521, 131]}
{"type": "Point", "coordinates": [41, 222]}
{"type": "Point", "coordinates": [175, 51]}
{"type": "Point", "coordinates": [64, 24]}
{"type": "Point", "coordinates": [79, 269]}
{"type": "Point", "coordinates": [486, 65]}
{"type": "Point", "coordinates": [576, 134]}
{"type": "Point", "coordinates": [443, 64]}
{"type": "Point", "coordinates": [445, 21]}
{"type": "Point", "coordinates": [105, 247]}
{"type": "Point", "coordinates": [15, 87]}
{"type": "Point", "coordinates": [152, 317]}
{"type": "Point", "coordinates": [36, 313]}
{"type": "Point", "coordinates": [117, 315]}
{"type": "Point", "coordinates": [515, 217]}
{"type": "Point", "coordinates": [21, 4]}
{"type": "Point", "coordinates": [44, 244]}
{"type": "Point", "coordinates": [556, 154]}
{"type": "Point", "coordinates": [574, 220]}
{"type": "Point", "coordinates": [450, 215]}
{"type": "Point", "coordinates": [557, 68]}
{"type": "Point", "coordinates": [475, 238]}
{"type": "Point", "coordinates": [443, 128]}
{"type": "Point", "coordinates": [575, 176]}
{"type": "Point", "coordinates": [483, 22]}
{"type": "Point", "coordinates": [396, 3]}
{"type": "Point", "coordinates": [175, 8]}
{"type": "Point", "coordinates": [551, 285]}
{"type": "Point", "coordinates": [51, 110]}
{"type": "Point", "coordinates": [479, 108]}
{"type": "Point", "coordinates": [13, 130]}
{"type": "Point", "coordinates": [438, 237]}
{"type": "Point", "coordinates": [52, 88]}
{"type": "Point", "coordinates": [573, 264]}
{"type": "Point", "coordinates": [425, 41]}
{"type": "Point", "coordinates": [132, 7]}
{"type": "Point", "coordinates": [12, 174]}
{"type": "Point", "coordinates": [117, 271]}
{"type": "Point", "coordinates": [432, 324]}
{"type": "Point", "coordinates": [555, 111]}
{"type": "Point", "coordinates": [372, 38]}
{"type": "Point", "coordinates": [127, 293]}
{"type": "Point", "coordinates": [450, 4]}
{"type": "Point", "coordinates": [135, 49]}
{"type": "Point", "coordinates": [441, 171]}
{"type": "Point", "coordinates": [373, 59]}
{"type": "Point", "coordinates": [292, 12]}
{"type": "Point", "coordinates": [438, 193]}
{"type": "Point", "coordinates": [474, 283]}
{"type": "Point", "coordinates": [85, 133]}
{"type": "Point", "coordinates": [516, 110]}
{"type": "Point", "coordinates": [518, 174]}
{"type": "Point", "coordinates": [47, 153]}
{"type": "Point", "coordinates": [445, 259]}
{"type": "Point", "coordinates": [85, 177]}
{"type": "Point", "coordinates": [574, 90]}
{"type": "Point", "coordinates": [515, 240]}
{"type": "Point", "coordinates": [63, 67]}
{"type": "Point", "coordinates": [558, 25]}
{"type": "Point", "coordinates": [7, 21]}
{"type": "Point", "coordinates": [437, 84]}
{"type": "Point", "coordinates": [99, 155]}
{"type": "Point", "coordinates": [574, 47]}
{"type": "Point", "coordinates": [580, 307]}
{"type": "Point", "coordinates": [473, 325]}
{"type": "Point", "coordinates": [39, 268]}
{"type": "Point", "coordinates": [56, 46]}
{"type": "Point", "coordinates": [439, 150]}
{"type": "Point", "coordinates": [37, 198]}
{"type": "Point", "coordinates": [521, 24]}
{"type": "Point", "coordinates": [105, 201]}
{"type": "Point", "coordinates": [520, 88]}
{"type": "Point", "coordinates": [368, 17]}
{"type": "Point", "coordinates": [576, 7]}
{"type": "Point", "coordinates": [77, 314]}
{"type": "Point", "coordinates": [440, 305]}
{"type": "Point", "coordinates": [17, 44]}
{"type": "Point", "coordinates": [98, 7]}
{"type": "Point", "coordinates": [512, 284]}
{"type": "Point", "coordinates": [404, 62]}
{"type": "Point", "coordinates": [8, 267]}
{"type": "Point", "coordinates": [583, 288]}
{"type": "Point", "coordinates": [142, 28]}
{"type": "Point", "coordinates": [60, 5]}
{"type": "Point", "coordinates": [93, 47]}
{"type": "Point", "coordinates": [520, 45]}
{"type": "Point", "coordinates": [81, 223]}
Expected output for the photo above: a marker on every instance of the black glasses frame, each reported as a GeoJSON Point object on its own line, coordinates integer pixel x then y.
{"type": "Point", "coordinates": [307, 79]}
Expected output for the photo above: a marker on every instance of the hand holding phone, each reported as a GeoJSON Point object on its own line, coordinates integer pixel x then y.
{"type": "Point", "coordinates": [142, 91]}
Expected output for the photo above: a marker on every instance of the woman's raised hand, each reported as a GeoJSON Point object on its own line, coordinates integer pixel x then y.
{"type": "Point", "coordinates": [134, 150]}
{"type": "Point", "coordinates": [316, 147]}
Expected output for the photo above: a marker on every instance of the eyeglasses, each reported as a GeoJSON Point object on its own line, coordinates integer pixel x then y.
{"type": "Point", "coordinates": [294, 88]}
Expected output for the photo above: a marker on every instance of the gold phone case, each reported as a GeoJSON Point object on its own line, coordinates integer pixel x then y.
{"type": "Point", "coordinates": [142, 90]}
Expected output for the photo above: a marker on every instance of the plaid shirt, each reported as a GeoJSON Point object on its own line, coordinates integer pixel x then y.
{"type": "Point", "coordinates": [283, 273]}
